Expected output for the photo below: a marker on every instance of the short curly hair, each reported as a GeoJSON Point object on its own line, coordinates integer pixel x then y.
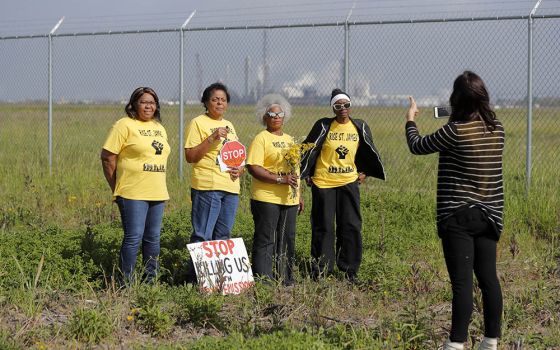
{"type": "Point", "coordinates": [208, 92]}
{"type": "Point", "coordinates": [267, 101]}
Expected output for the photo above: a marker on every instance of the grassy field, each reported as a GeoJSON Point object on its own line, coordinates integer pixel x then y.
{"type": "Point", "coordinates": [61, 234]}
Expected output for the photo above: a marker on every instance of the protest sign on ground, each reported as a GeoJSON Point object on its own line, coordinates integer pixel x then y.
{"type": "Point", "coordinates": [222, 265]}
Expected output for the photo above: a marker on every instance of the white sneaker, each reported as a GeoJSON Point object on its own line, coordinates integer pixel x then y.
{"type": "Point", "coordinates": [449, 345]}
{"type": "Point", "coordinates": [488, 344]}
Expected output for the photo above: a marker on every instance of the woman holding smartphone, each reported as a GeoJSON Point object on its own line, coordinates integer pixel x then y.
{"type": "Point", "coordinates": [470, 202]}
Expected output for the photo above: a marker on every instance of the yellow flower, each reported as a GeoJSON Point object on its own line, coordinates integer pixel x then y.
{"type": "Point", "coordinates": [293, 157]}
{"type": "Point", "coordinates": [294, 153]}
{"type": "Point", "coordinates": [129, 318]}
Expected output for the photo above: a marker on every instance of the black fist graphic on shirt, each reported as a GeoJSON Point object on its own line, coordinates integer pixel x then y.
{"type": "Point", "coordinates": [342, 152]}
{"type": "Point", "coordinates": [158, 146]}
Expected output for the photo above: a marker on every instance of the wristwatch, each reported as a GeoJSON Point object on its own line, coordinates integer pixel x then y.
{"type": "Point", "coordinates": [279, 180]}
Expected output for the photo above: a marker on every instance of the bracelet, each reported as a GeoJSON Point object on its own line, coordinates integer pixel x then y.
{"type": "Point", "coordinates": [208, 139]}
{"type": "Point", "coordinates": [279, 180]}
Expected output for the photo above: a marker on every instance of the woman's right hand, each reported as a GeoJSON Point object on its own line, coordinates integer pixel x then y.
{"type": "Point", "coordinates": [412, 110]}
{"type": "Point", "coordinates": [218, 134]}
{"type": "Point", "coordinates": [195, 154]}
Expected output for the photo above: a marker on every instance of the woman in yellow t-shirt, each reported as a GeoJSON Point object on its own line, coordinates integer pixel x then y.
{"type": "Point", "coordinates": [134, 160]}
{"type": "Point", "coordinates": [343, 155]}
{"type": "Point", "coordinates": [214, 193]}
{"type": "Point", "coordinates": [275, 199]}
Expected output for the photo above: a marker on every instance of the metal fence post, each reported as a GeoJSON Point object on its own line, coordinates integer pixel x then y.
{"type": "Point", "coordinates": [50, 93]}
{"type": "Point", "coordinates": [529, 161]}
{"type": "Point", "coordinates": [182, 96]}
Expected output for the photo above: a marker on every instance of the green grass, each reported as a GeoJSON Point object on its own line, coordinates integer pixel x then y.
{"type": "Point", "coordinates": [61, 234]}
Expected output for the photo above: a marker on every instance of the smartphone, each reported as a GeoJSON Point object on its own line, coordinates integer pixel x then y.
{"type": "Point", "coordinates": [442, 112]}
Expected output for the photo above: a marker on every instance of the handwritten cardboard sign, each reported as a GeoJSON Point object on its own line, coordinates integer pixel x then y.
{"type": "Point", "coordinates": [222, 265]}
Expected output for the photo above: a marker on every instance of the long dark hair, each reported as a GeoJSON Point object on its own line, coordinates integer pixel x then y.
{"type": "Point", "coordinates": [470, 100]}
{"type": "Point", "coordinates": [131, 108]}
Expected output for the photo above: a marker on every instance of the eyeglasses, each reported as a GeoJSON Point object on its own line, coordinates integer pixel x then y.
{"type": "Point", "coordinates": [151, 103]}
{"type": "Point", "coordinates": [275, 115]}
{"type": "Point", "coordinates": [340, 106]}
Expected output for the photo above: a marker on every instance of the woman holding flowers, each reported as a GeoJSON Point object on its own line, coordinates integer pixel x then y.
{"type": "Point", "coordinates": [343, 155]}
{"type": "Point", "coordinates": [275, 199]}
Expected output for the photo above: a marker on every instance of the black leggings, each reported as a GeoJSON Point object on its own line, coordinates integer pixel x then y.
{"type": "Point", "coordinates": [469, 244]}
{"type": "Point", "coordinates": [274, 240]}
{"type": "Point", "coordinates": [342, 203]}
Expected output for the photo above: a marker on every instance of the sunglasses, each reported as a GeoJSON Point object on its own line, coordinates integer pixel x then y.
{"type": "Point", "coordinates": [340, 106]}
{"type": "Point", "coordinates": [275, 115]}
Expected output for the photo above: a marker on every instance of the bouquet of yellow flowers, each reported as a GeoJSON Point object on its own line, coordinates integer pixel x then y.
{"type": "Point", "coordinates": [293, 155]}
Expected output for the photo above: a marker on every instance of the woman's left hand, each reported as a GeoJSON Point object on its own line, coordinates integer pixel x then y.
{"type": "Point", "coordinates": [361, 178]}
{"type": "Point", "coordinates": [235, 172]}
{"type": "Point", "coordinates": [292, 180]}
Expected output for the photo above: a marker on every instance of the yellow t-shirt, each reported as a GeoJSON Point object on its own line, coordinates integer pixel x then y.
{"type": "Point", "coordinates": [206, 174]}
{"type": "Point", "coordinates": [335, 166]}
{"type": "Point", "coordinates": [142, 151]}
{"type": "Point", "coordinates": [267, 150]}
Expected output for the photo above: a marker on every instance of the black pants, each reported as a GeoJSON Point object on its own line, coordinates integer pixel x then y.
{"type": "Point", "coordinates": [274, 240]}
{"type": "Point", "coordinates": [342, 203]}
{"type": "Point", "coordinates": [469, 244]}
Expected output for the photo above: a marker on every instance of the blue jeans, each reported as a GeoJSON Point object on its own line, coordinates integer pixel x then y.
{"type": "Point", "coordinates": [141, 221]}
{"type": "Point", "coordinates": [213, 214]}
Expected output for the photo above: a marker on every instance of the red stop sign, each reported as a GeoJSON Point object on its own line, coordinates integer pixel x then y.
{"type": "Point", "coordinates": [233, 153]}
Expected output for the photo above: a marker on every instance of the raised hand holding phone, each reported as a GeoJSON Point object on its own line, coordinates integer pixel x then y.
{"type": "Point", "coordinates": [442, 112]}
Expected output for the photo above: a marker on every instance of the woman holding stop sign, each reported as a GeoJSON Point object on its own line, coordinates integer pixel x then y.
{"type": "Point", "coordinates": [273, 205]}
{"type": "Point", "coordinates": [214, 193]}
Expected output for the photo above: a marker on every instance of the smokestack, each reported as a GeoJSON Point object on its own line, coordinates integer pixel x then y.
{"type": "Point", "coordinates": [198, 68]}
{"type": "Point", "coordinates": [265, 64]}
{"type": "Point", "coordinates": [247, 67]}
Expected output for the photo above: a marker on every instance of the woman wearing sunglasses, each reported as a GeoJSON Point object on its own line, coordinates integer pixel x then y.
{"type": "Point", "coordinates": [274, 204]}
{"type": "Point", "coordinates": [344, 154]}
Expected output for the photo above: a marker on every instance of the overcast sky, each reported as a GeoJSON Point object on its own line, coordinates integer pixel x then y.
{"type": "Point", "coordinates": [19, 17]}
{"type": "Point", "coordinates": [421, 59]}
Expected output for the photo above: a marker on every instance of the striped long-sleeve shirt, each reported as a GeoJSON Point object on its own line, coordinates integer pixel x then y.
{"type": "Point", "coordinates": [470, 166]}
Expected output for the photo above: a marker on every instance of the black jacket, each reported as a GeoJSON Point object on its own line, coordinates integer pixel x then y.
{"type": "Point", "coordinates": [367, 158]}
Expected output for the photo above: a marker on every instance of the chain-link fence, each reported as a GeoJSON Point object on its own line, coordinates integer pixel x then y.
{"type": "Point", "coordinates": [379, 64]}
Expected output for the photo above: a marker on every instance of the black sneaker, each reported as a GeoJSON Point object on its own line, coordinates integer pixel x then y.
{"type": "Point", "coordinates": [352, 277]}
